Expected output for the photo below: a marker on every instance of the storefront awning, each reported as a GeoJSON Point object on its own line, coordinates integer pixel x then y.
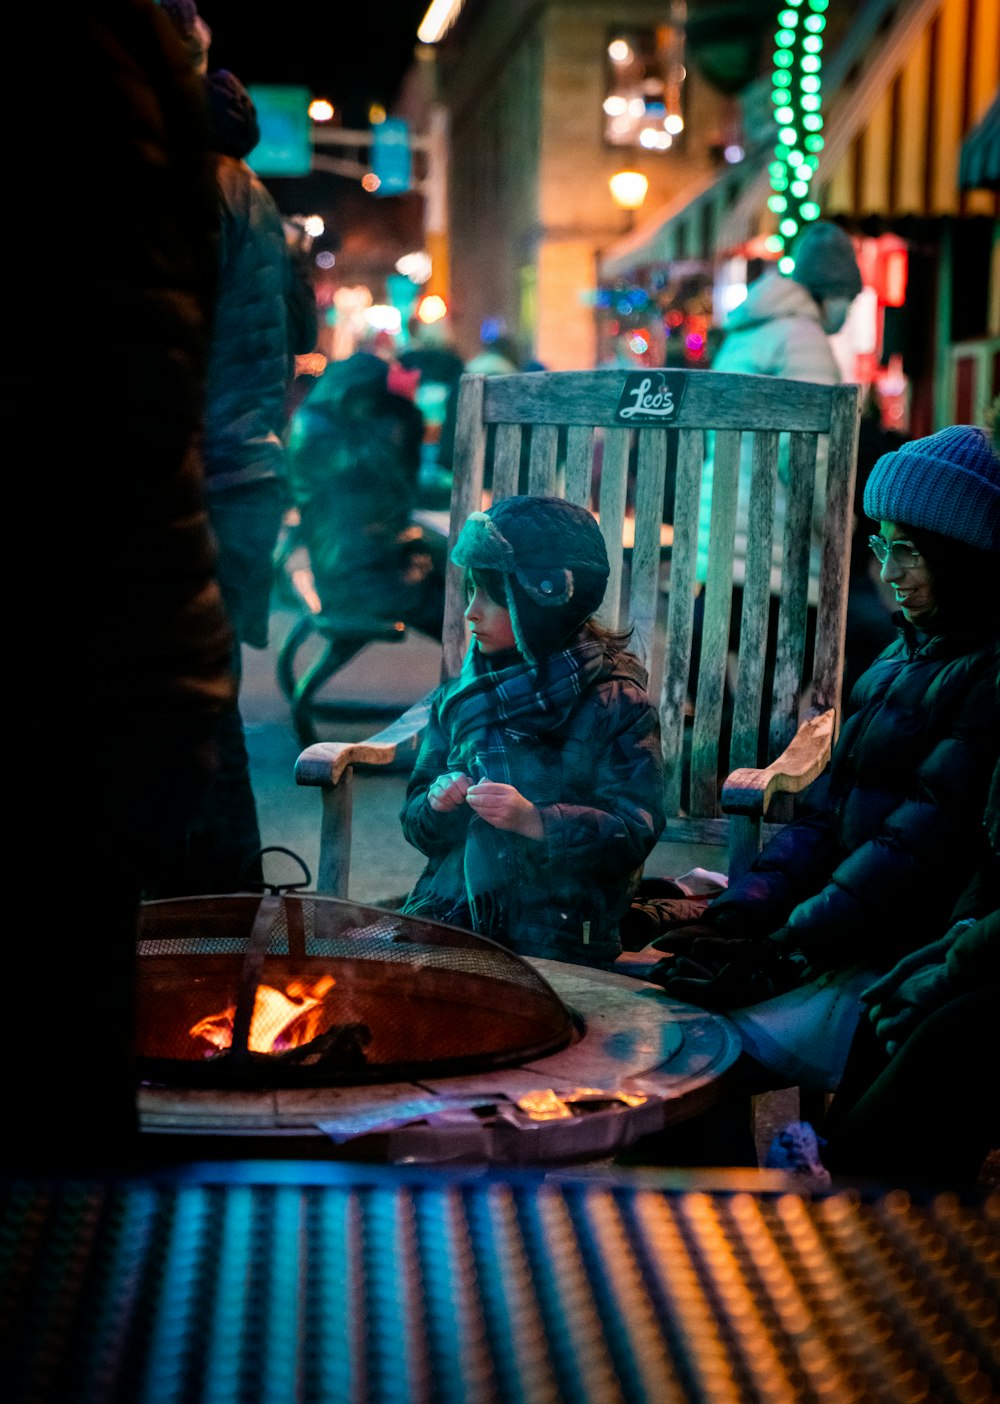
{"type": "Point", "coordinates": [901, 91]}
{"type": "Point", "coordinates": [688, 228]}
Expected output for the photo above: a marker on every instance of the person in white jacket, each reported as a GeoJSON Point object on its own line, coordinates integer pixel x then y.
{"type": "Point", "coordinates": [784, 325]}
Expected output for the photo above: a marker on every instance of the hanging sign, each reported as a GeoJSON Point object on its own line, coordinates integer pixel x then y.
{"type": "Point", "coordinates": [285, 146]}
{"type": "Point", "coordinates": [390, 156]}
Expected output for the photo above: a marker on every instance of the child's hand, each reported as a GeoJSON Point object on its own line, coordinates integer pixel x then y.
{"type": "Point", "coordinates": [448, 791]}
{"type": "Point", "coordinates": [505, 808]}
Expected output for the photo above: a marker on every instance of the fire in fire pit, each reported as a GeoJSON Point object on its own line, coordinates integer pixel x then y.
{"type": "Point", "coordinates": [281, 1019]}
{"type": "Point", "coordinates": [303, 990]}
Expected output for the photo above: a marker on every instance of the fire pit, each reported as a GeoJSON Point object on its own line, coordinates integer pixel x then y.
{"type": "Point", "coordinates": [310, 1025]}
{"type": "Point", "coordinates": [298, 990]}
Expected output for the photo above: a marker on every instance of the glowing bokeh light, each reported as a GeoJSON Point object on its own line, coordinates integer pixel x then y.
{"type": "Point", "coordinates": [432, 309]}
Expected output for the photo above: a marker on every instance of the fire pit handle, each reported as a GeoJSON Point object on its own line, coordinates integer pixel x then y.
{"type": "Point", "coordinates": [277, 888]}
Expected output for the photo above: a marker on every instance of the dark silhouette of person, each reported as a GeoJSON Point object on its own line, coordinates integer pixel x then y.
{"type": "Point", "coordinates": [146, 673]}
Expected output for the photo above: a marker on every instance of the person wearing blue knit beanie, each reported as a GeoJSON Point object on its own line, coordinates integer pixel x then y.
{"type": "Point", "coordinates": [941, 495]}
{"type": "Point", "coordinates": [948, 483]}
{"type": "Point", "coordinates": [893, 834]}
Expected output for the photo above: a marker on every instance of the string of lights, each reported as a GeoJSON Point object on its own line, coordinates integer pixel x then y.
{"type": "Point", "coordinates": [797, 98]}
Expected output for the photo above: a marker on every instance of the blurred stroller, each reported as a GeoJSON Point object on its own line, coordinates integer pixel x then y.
{"type": "Point", "coordinates": [354, 462]}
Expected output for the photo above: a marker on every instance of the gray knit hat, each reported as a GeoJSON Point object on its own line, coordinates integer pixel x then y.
{"type": "Point", "coordinates": [825, 262]}
{"type": "Point", "coordinates": [948, 483]}
{"type": "Point", "coordinates": [554, 562]}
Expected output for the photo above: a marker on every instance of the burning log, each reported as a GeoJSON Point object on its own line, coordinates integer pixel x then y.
{"type": "Point", "coordinates": [343, 1047]}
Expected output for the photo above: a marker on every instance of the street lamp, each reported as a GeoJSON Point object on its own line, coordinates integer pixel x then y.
{"type": "Point", "coordinates": [628, 190]}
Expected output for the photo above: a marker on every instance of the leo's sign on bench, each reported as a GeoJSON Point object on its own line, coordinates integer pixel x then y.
{"type": "Point", "coordinates": [651, 397]}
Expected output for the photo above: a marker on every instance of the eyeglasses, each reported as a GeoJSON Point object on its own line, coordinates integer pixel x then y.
{"type": "Point", "coordinates": [903, 553]}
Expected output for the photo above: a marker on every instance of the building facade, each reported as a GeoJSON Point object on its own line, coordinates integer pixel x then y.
{"type": "Point", "coordinates": [533, 90]}
{"type": "Point", "coordinates": [906, 84]}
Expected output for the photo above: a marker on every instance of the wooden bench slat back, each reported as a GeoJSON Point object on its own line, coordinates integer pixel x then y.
{"type": "Point", "coordinates": [549, 433]}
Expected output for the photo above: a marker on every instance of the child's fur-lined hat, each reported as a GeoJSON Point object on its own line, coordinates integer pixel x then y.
{"type": "Point", "coordinates": [552, 557]}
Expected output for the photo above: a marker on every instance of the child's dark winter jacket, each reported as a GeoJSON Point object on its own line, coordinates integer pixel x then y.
{"type": "Point", "coordinates": [594, 772]}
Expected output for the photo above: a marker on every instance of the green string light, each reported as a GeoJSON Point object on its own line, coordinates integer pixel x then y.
{"type": "Point", "coordinates": [797, 100]}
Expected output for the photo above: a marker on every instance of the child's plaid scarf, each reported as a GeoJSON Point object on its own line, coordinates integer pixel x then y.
{"type": "Point", "coordinates": [482, 714]}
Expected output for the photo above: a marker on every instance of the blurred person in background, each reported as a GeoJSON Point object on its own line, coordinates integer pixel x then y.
{"type": "Point", "coordinates": [440, 367]}
{"type": "Point", "coordinates": [497, 355]}
{"type": "Point", "coordinates": [784, 324]}
{"type": "Point", "coordinates": [354, 453]}
{"type": "Point", "coordinates": [263, 316]}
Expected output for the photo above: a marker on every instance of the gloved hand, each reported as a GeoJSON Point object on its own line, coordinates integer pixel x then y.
{"type": "Point", "coordinates": [726, 974]}
{"type": "Point", "coordinates": [680, 939]}
{"type": "Point", "coordinates": [912, 989]}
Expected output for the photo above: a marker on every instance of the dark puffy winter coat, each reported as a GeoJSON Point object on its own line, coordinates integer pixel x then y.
{"type": "Point", "coordinates": [248, 357]}
{"type": "Point", "coordinates": [597, 782]}
{"type": "Point", "coordinates": [248, 366]}
{"type": "Point", "coordinates": [876, 870]}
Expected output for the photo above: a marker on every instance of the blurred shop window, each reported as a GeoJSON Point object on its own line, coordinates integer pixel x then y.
{"type": "Point", "coordinates": [644, 87]}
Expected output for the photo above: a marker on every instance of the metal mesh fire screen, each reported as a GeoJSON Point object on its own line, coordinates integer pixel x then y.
{"type": "Point", "coordinates": [301, 990]}
{"type": "Point", "coordinates": [294, 1284]}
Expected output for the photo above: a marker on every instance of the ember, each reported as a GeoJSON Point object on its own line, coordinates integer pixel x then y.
{"type": "Point", "coordinates": [282, 1019]}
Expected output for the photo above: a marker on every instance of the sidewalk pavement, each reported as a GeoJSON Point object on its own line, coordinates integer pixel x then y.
{"type": "Point", "coordinates": [384, 865]}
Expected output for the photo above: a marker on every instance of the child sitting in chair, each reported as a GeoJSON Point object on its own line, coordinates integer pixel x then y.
{"type": "Point", "coordinates": [537, 793]}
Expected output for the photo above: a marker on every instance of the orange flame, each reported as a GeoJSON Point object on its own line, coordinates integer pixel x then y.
{"type": "Point", "coordinates": [281, 1019]}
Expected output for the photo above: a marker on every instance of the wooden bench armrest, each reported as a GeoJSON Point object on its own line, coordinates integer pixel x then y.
{"type": "Point", "coordinates": [325, 762]}
{"type": "Point", "coordinates": [749, 791]}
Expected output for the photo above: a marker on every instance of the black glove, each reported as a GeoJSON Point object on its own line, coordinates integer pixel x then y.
{"type": "Point", "coordinates": [680, 939]}
{"type": "Point", "coordinates": [721, 974]}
